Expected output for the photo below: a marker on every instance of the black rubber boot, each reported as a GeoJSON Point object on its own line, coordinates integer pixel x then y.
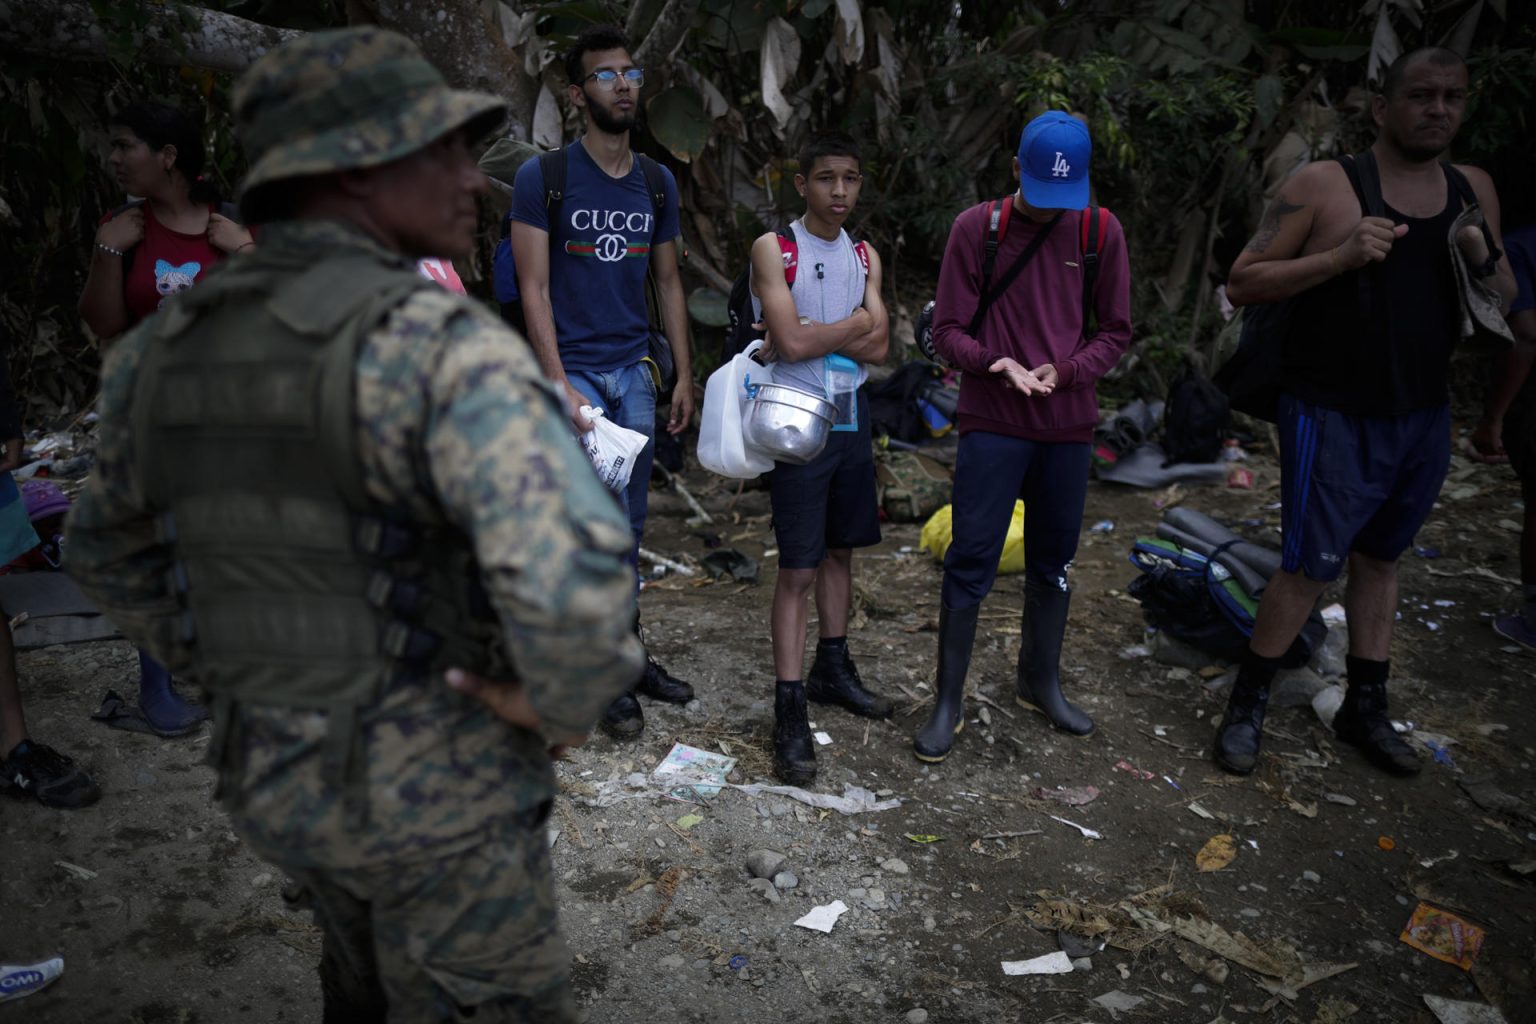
{"type": "Point", "coordinates": [1362, 719]}
{"type": "Point", "coordinates": [794, 752]}
{"type": "Point", "coordinates": [1039, 677]}
{"type": "Point", "coordinates": [833, 679]}
{"type": "Point", "coordinates": [659, 684]}
{"type": "Point", "coordinates": [623, 720]}
{"type": "Point", "coordinates": [1242, 728]}
{"type": "Point", "coordinates": [957, 631]}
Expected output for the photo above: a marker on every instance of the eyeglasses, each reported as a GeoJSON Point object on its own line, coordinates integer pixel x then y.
{"type": "Point", "coordinates": [607, 78]}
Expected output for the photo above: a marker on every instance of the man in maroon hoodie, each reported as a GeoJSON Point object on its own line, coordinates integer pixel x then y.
{"type": "Point", "coordinates": [1027, 408]}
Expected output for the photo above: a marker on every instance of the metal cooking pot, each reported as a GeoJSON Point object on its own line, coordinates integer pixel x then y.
{"type": "Point", "coordinates": [787, 424]}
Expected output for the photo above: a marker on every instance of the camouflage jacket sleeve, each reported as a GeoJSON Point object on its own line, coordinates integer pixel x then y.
{"type": "Point", "coordinates": [113, 548]}
{"type": "Point", "coordinates": [455, 420]}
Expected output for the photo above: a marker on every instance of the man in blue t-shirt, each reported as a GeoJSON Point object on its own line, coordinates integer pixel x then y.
{"type": "Point", "coordinates": [582, 282]}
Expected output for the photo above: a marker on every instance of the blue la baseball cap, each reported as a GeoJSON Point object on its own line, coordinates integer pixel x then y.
{"type": "Point", "coordinates": [1053, 162]}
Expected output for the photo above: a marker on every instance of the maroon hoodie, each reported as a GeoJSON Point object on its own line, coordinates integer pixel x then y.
{"type": "Point", "coordinates": [1039, 319]}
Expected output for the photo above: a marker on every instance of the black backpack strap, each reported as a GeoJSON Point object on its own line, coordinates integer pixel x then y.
{"type": "Point", "coordinates": [552, 170]}
{"type": "Point", "coordinates": [1365, 179]}
{"type": "Point", "coordinates": [791, 272]}
{"type": "Point", "coordinates": [655, 186]}
{"type": "Point", "coordinates": [1028, 254]}
{"type": "Point", "coordinates": [1092, 241]}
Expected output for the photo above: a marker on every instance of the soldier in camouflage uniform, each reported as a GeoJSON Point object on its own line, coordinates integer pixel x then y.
{"type": "Point", "coordinates": [347, 504]}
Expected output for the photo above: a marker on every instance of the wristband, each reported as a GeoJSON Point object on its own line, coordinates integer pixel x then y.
{"type": "Point", "coordinates": [104, 247]}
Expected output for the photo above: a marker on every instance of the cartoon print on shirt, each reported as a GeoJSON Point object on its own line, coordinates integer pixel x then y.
{"type": "Point", "coordinates": [170, 278]}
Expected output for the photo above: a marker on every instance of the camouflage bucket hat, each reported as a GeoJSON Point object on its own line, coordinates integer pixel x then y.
{"type": "Point", "coordinates": [347, 99]}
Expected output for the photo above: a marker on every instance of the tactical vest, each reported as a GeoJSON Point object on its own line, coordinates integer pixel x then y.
{"type": "Point", "coordinates": [296, 589]}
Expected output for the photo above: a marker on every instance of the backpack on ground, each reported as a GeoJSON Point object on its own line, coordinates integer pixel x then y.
{"type": "Point", "coordinates": [894, 411]}
{"type": "Point", "coordinates": [504, 273]}
{"type": "Point", "coordinates": [999, 211]}
{"type": "Point", "coordinates": [1195, 418]}
{"type": "Point", "coordinates": [739, 332]}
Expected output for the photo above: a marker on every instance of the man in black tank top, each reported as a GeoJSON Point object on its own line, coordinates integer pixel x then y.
{"type": "Point", "coordinates": [1365, 417]}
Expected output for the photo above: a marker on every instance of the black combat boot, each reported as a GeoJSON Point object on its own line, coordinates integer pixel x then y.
{"type": "Point", "coordinates": [957, 630]}
{"type": "Point", "coordinates": [1362, 719]}
{"type": "Point", "coordinates": [1242, 728]}
{"type": "Point", "coordinates": [1039, 678]}
{"type": "Point", "coordinates": [833, 679]}
{"type": "Point", "coordinates": [623, 720]}
{"type": "Point", "coordinates": [657, 683]}
{"type": "Point", "coordinates": [794, 751]}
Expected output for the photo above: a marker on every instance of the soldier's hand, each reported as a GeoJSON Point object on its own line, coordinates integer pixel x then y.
{"type": "Point", "coordinates": [505, 698]}
{"type": "Point", "coordinates": [124, 231]}
{"type": "Point", "coordinates": [574, 400]}
{"type": "Point", "coordinates": [1370, 242]}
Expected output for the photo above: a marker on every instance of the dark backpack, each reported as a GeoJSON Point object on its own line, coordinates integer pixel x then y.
{"type": "Point", "coordinates": [739, 333]}
{"type": "Point", "coordinates": [893, 403]}
{"type": "Point", "coordinates": [552, 170]}
{"type": "Point", "coordinates": [1194, 599]}
{"type": "Point", "coordinates": [999, 212]}
{"type": "Point", "coordinates": [1194, 418]}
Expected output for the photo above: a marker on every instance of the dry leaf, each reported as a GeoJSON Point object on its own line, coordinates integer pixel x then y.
{"type": "Point", "coordinates": [1216, 854]}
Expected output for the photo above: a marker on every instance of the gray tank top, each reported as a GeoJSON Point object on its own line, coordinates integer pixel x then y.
{"type": "Point", "coordinates": [829, 286]}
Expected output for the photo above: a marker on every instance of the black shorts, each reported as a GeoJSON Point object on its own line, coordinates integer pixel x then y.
{"type": "Point", "coordinates": [1356, 483]}
{"type": "Point", "coordinates": [829, 503]}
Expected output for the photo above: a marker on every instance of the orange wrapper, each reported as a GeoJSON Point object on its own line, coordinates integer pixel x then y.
{"type": "Point", "coordinates": [1443, 936]}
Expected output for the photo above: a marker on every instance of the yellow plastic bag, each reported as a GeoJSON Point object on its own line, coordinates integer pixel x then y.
{"type": "Point", "coordinates": [938, 532]}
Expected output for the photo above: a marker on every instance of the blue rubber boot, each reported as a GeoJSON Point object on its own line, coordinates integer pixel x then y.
{"type": "Point", "coordinates": [166, 711]}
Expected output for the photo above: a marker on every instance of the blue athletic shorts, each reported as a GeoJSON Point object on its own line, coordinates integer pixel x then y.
{"type": "Point", "coordinates": [828, 504]}
{"type": "Point", "coordinates": [1356, 483]}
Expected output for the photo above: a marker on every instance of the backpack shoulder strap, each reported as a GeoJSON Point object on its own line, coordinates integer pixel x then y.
{"type": "Point", "coordinates": [1365, 178]}
{"type": "Point", "coordinates": [789, 245]}
{"type": "Point", "coordinates": [655, 183]}
{"type": "Point", "coordinates": [1091, 237]}
{"type": "Point", "coordinates": [552, 170]}
{"type": "Point", "coordinates": [997, 226]}
{"type": "Point", "coordinates": [861, 250]}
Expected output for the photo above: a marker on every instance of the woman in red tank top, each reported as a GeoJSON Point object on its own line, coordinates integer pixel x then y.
{"type": "Point", "coordinates": [167, 238]}
{"type": "Point", "coordinates": [145, 252]}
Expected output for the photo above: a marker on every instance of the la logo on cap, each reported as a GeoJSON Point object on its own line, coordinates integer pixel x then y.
{"type": "Point", "coordinates": [1060, 168]}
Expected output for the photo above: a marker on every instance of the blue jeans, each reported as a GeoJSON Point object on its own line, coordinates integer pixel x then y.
{"type": "Point", "coordinates": [993, 471]}
{"type": "Point", "coordinates": [627, 397]}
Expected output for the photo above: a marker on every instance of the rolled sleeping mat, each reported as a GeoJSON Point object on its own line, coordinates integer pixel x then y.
{"type": "Point", "coordinates": [1265, 560]}
{"type": "Point", "coordinates": [1248, 577]}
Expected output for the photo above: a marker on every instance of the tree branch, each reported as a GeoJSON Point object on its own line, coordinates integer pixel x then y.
{"type": "Point", "coordinates": [172, 34]}
{"type": "Point", "coordinates": [668, 30]}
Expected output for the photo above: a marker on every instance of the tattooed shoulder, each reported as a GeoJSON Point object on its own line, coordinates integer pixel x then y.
{"type": "Point", "coordinates": [1269, 225]}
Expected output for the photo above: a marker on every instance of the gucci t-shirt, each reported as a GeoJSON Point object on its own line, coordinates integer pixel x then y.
{"type": "Point", "coordinates": [598, 256]}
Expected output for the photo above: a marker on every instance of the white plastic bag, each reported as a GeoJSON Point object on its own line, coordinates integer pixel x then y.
{"type": "Point", "coordinates": [721, 447]}
{"type": "Point", "coordinates": [613, 449]}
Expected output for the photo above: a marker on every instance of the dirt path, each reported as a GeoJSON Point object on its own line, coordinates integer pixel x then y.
{"type": "Point", "coordinates": [173, 920]}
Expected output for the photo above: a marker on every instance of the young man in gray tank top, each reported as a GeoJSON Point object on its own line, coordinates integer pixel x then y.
{"type": "Point", "coordinates": [823, 510]}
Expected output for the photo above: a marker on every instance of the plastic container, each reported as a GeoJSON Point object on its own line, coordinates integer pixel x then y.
{"type": "Point", "coordinates": [842, 386]}
{"type": "Point", "coordinates": [722, 447]}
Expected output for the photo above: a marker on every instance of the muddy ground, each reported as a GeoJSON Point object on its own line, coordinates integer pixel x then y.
{"type": "Point", "coordinates": [172, 920]}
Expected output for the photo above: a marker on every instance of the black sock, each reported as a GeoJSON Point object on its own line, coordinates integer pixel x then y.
{"type": "Point", "coordinates": [780, 685]}
{"type": "Point", "coordinates": [1255, 672]}
{"type": "Point", "coordinates": [833, 643]}
{"type": "Point", "coordinates": [1365, 672]}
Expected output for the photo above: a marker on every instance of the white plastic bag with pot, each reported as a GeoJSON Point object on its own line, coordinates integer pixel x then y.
{"type": "Point", "coordinates": [722, 448]}
{"type": "Point", "coordinates": [613, 449]}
